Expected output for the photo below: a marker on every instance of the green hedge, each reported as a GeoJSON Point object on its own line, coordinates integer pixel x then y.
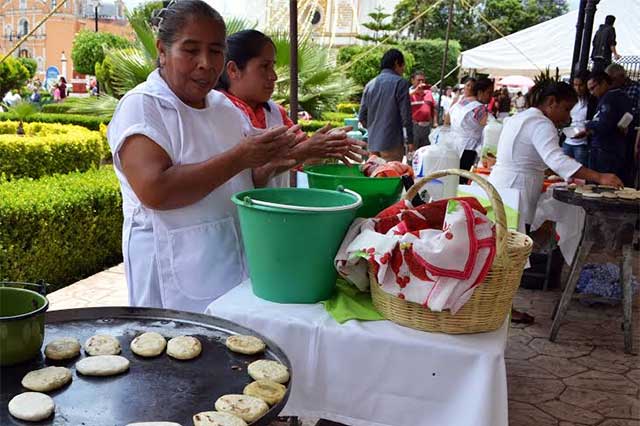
{"type": "Point", "coordinates": [90, 123]}
{"type": "Point", "coordinates": [362, 69]}
{"type": "Point", "coordinates": [349, 108]}
{"type": "Point", "coordinates": [56, 108]}
{"type": "Point", "coordinates": [428, 55]}
{"type": "Point", "coordinates": [336, 116]}
{"type": "Point", "coordinates": [46, 149]}
{"type": "Point", "coordinates": [60, 228]}
{"type": "Point", "coordinates": [313, 125]}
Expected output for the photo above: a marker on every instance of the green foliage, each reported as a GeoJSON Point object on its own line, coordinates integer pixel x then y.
{"type": "Point", "coordinates": [56, 108]}
{"type": "Point", "coordinates": [377, 24]}
{"type": "Point", "coordinates": [321, 86]}
{"type": "Point", "coordinates": [60, 228]}
{"type": "Point", "coordinates": [364, 68]}
{"type": "Point", "coordinates": [467, 26]}
{"type": "Point", "coordinates": [337, 117]}
{"type": "Point", "coordinates": [23, 110]}
{"type": "Point", "coordinates": [349, 108]}
{"type": "Point", "coordinates": [30, 64]}
{"type": "Point", "coordinates": [91, 123]}
{"type": "Point", "coordinates": [13, 75]}
{"type": "Point", "coordinates": [46, 149]}
{"type": "Point", "coordinates": [140, 21]}
{"type": "Point", "coordinates": [89, 49]}
{"type": "Point", "coordinates": [311, 126]}
{"type": "Point", "coordinates": [100, 107]}
{"type": "Point", "coordinates": [428, 55]}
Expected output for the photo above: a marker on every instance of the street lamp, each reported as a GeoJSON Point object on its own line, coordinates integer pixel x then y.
{"type": "Point", "coordinates": [96, 5]}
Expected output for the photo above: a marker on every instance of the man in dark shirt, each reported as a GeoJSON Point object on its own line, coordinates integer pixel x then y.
{"type": "Point", "coordinates": [385, 109]}
{"type": "Point", "coordinates": [619, 80]}
{"type": "Point", "coordinates": [604, 44]}
{"type": "Point", "coordinates": [608, 141]}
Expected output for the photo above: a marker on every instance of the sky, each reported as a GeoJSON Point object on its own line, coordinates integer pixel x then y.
{"type": "Point", "coordinates": [573, 4]}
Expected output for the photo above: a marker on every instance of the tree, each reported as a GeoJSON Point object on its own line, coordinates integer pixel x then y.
{"type": "Point", "coordinates": [468, 26]}
{"type": "Point", "coordinates": [89, 49]}
{"type": "Point", "coordinates": [13, 75]}
{"type": "Point", "coordinates": [30, 64]}
{"type": "Point", "coordinates": [380, 29]}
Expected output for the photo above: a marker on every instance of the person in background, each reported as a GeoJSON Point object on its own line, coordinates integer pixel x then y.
{"type": "Point", "coordinates": [529, 144]}
{"type": "Point", "coordinates": [423, 110]}
{"type": "Point", "coordinates": [249, 78]}
{"type": "Point", "coordinates": [519, 102]}
{"type": "Point", "coordinates": [504, 104]}
{"type": "Point", "coordinates": [468, 118]}
{"type": "Point", "coordinates": [620, 80]}
{"type": "Point", "coordinates": [57, 93]}
{"type": "Point", "coordinates": [62, 85]}
{"type": "Point", "coordinates": [577, 147]}
{"type": "Point", "coordinates": [35, 98]}
{"type": "Point", "coordinates": [447, 100]}
{"type": "Point", "coordinates": [604, 45]}
{"type": "Point", "coordinates": [385, 110]}
{"type": "Point", "coordinates": [608, 141]}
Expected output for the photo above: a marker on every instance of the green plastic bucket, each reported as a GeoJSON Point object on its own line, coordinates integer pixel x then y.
{"type": "Point", "coordinates": [291, 237]}
{"type": "Point", "coordinates": [21, 322]}
{"type": "Point", "coordinates": [377, 193]}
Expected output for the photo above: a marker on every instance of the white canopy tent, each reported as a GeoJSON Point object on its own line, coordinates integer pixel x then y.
{"type": "Point", "coordinates": [550, 44]}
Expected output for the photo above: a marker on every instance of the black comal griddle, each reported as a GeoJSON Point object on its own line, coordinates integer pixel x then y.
{"type": "Point", "coordinates": [154, 389]}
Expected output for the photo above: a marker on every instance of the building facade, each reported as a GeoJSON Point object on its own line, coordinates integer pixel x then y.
{"type": "Point", "coordinates": [51, 44]}
{"type": "Point", "coordinates": [331, 22]}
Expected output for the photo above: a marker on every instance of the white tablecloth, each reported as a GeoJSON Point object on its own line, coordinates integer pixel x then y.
{"type": "Point", "coordinates": [378, 373]}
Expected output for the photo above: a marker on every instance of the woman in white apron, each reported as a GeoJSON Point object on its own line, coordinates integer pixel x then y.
{"type": "Point", "coordinates": [248, 80]}
{"type": "Point", "coordinates": [529, 144]}
{"type": "Point", "coordinates": [468, 118]}
{"type": "Point", "coordinates": [180, 150]}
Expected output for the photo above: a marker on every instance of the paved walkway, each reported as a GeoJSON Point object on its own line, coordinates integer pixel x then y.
{"type": "Point", "coordinates": [583, 379]}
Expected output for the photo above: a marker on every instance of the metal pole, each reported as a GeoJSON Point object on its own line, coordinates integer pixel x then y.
{"type": "Point", "coordinates": [293, 52]}
{"type": "Point", "coordinates": [96, 19]}
{"type": "Point", "coordinates": [578, 41]}
{"type": "Point", "coordinates": [586, 36]}
{"type": "Point", "coordinates": [444, 57]}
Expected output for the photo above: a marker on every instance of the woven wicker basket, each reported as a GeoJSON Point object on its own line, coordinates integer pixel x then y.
{"type": "Point", "coordinates": [491, 302]}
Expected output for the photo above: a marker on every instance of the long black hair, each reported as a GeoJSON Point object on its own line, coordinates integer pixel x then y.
{"type": "Point", "coordinates": [544, 89]}
{"type": "Point", "coordinates": [241, 48]}
{"type": "Point", "coordinates": [171, 19]}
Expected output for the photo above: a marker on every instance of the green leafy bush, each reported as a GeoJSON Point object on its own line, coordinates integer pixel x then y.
{"type": "Point", "coordinates": [336, 116]}
{"type": "Point", "coordinates": [311, 126]}
{"type": "Point", "coordinates": [91, 123]}
{"type": "Point", "coordinates": [428, 58]}
{"type": "Point", "coordinates": [30, 64]}
{"type": "Point", "coordinates": [89, 49]}
{"type": "Point", "coordinates": [349, 108]}
{"type": "Point", "coordinates": [13, 75]}
{"type": "Point", "coordinates": [46, 149]}
{"type": "Point", "coordinates": [60, 228]}
{"type": "Point", "coordinates": [364, 68]}
{"type": "Point", "coordinates": [56, 108]}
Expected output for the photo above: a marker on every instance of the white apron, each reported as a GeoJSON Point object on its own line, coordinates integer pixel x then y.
{"type": "Point", "coordinates": [187, 257]}
{"type": "Point", "coordinates": [274, 119]}
{"type": "Point", "coordinates": [466, 135]}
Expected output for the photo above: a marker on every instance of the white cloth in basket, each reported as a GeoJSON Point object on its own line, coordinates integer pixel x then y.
{"type": "Point", "coordinates": [437, 268]}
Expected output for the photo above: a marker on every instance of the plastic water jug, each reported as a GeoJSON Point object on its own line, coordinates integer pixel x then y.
{"type": "Point", "coordinates": [433, 158]}
{"type": "Point", "coordinates": [355, 132]}
{"type": "Point", "coordinates": [490, 138]}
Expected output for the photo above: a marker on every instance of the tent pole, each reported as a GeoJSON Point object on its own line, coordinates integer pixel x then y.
{"type": "Point", "coordinates": [444, 58]}
{"type": "Point", "coordinates": [293, 53]}
{"type": "Point", "coordinates": [586, 36]}
{"type": "Point", "coordinates": [578, 42]}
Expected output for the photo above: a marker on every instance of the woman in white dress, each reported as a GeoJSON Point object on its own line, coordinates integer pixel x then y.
{"type": "Point", "coordinates": [529, 144]}
{"type": "Point", "coordinates": [180, 151]}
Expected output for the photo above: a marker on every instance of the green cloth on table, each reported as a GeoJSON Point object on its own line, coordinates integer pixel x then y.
{"type": "Point", "coordinates": [513, 216]}
{"type": "Point", "coordinates": [349, 303]}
